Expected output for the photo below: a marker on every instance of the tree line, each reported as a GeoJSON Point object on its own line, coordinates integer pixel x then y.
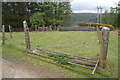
{"type": "Point", "coordinates": [37, 14]}
{"type": "Point", "coordinates": [112, 17]}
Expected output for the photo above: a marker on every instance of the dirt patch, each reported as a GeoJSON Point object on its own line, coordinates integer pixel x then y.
{"type": "Point", "coordinates": [19, 69]}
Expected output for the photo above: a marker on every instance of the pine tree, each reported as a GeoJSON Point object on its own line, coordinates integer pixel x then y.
{"type": "Point", "coordinates": [15, 12]}
{"type": "Point", "coordinates": [55, 13]}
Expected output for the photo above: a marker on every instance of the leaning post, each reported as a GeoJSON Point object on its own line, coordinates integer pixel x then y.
{"type": "Point", "coordinates": [27, 39]}
{"type": "Point", "coordinates": [3, 34]}
{"type": "Point", "coordinates": [10, 31]}
{"type": "Point", "coordinates": [104, 48]}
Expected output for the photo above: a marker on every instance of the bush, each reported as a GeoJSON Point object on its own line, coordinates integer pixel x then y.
{"type": "Point", "coordinates": [37, 19]}
{"type": "Point", "coordinates": [94, 25]}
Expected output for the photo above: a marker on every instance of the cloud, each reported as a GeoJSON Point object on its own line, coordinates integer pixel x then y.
{"type": "Point", "coordinates": [84, 11]}
{"type": "Point", "coordinates": [90, 5]}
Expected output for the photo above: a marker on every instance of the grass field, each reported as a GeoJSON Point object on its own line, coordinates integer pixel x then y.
{"type": "Point", "coordinates": [80, 43]}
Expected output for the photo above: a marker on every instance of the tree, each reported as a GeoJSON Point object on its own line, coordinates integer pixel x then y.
{"type": "Point", "coordinates": [36, 19]}
{"type": "Point", "coordinates": [55, 13]}
{"type": "Point", "coordinates": [112, 17]}
{"type": "Point", "coordinates": [67, 14]}
{"type": "Point", "coordinates": [13, 13]}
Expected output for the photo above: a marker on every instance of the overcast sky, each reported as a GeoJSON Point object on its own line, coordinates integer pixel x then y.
{"type": "Point", "coordinates": [85, 6]}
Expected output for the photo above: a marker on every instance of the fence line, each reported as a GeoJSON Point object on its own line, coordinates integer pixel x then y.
{"type": "Point", "coordinates": [77, 28]}
{"type": "Point", "coordinates": [30, 29]}
{"type": "Point", "coordinates": [58, 28]}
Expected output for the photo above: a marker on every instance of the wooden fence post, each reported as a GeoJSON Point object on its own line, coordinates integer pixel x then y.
{"type": "Point", "coordinates": [55, 28]}
{"type": "Point", "coordinates": [27, 39]}
{"type": "Point", "coordinates": [43, 28]}
{"type": "Point", "coordinates": [3, 34]}
{"type": "Point", "coordinates": [58, 28]}
{"type": "Point", "coordinates": [50, 28]}
{"type": "Point", "coordinates": [10, 31]}
{"type": "Point", "coordinates": [98, 34]}
{"type": "Point", "coordinates": [36, 28]}
{"type": "Point", "coordinates": [103, 48]}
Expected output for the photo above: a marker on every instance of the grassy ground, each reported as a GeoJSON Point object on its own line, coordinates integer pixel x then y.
{"type": "Point", "coordinates": [78, 43]}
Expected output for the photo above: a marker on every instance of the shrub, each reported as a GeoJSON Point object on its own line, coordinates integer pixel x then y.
{"type": "Point", "coordinates": [95, 25]}
{"type": "Point", "coordinates": [37, 19]}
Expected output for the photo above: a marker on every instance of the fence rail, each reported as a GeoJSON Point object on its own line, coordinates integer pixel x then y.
{"type": "Point", "coordinates": [60, 29]}
{"type": "Point", "coordinates": [77, 28]}
{"type": "Point", "coordinates": [30, 29]}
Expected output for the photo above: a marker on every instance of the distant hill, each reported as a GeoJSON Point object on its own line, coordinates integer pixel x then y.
{"type": "Point", "coordinates": [83, 17]}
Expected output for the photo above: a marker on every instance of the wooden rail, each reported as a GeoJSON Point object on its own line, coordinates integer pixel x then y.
{"type": "Point", "coordinates": [82, 62]}
{"type": "Point", "coordinates": [72, 62]}
{"type": "Point", "coordinates": [96, 66]}
{"type": "Point", "coordinates": [80, 58]}
{"type": "Point", "coordinates": [62, 65]}
{"type": "Point", "coordinates": [77, 57]}
{"type": "Point", "coordinates": [92, 60]}
{"type": "Point", "coordinates": [68, 62]}
{"type": "Point", "coordinates": [81, 65]}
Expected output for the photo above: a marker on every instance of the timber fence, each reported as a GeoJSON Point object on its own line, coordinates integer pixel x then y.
{"type": "Point", "coordinates": [60, 29]}
{"type": "Point", "coordinates": [77, 28]}
{"type": "Point", "coordinates": [30, 29]}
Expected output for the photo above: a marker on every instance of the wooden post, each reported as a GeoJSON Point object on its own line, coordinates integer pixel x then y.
{"type": "Point", "coordinates": [55, 28]}
{"type": "Point", "coordinates": [10, 31]}
{"type": "Point", "coordinates": [50, 28]}
{"type": "Point", "coordinates": [43, 28]}
{"type": "Point", "coordinates": [27, 39]}
{"type": "Point", "coordinates": [98, 14]}
{"type": "Point", "coordinates": [36, 28]}
{"type": "Point", "coordinates": [104, 48]}
{"type": "Point", "coordinates": [58, 28]}
{"type": "Point", "coordinates": [98, 34]}
{"type": "Point", "coordinates": [3, 34]}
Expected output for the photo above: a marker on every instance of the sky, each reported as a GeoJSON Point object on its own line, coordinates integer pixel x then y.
{"type": "Point", "coordinates": [90, 6]}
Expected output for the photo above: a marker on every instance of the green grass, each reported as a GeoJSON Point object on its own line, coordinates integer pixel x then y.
{"type": "Point", "coordinates": [80, 43]}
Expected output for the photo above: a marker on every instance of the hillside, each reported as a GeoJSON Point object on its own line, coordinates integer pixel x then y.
{"type": "Point", "coordinates": [83, 17]}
